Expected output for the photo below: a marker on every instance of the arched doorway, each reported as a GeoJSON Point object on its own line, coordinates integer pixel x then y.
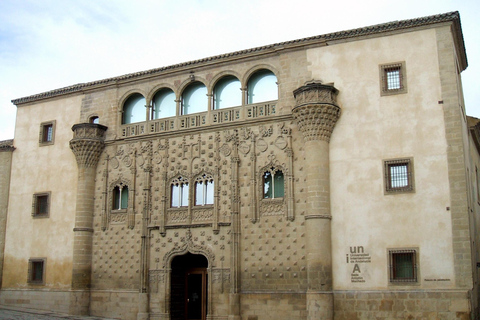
{"type": "Point", "coordinates": [189, 289]}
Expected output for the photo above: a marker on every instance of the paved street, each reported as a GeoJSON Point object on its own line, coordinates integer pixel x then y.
{"type": "Point", "coordinates": [16, 315]}
{"type": "Point", "coordinates": [19, 314]}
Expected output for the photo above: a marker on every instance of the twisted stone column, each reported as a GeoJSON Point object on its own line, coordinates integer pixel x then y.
{"type": "Point", "coordinates": [316, 113]}
{"type": "Point", "coordinates": [87, 145]}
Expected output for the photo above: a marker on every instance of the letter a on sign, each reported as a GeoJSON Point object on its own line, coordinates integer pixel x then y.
{"type": "Point", "coordinates": [356, 268]}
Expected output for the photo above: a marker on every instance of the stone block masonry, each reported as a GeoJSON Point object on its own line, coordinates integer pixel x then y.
{"type": "Point", "coordinates": [396, 305]}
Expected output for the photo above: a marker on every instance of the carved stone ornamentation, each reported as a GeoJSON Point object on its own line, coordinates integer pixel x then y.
{"type": "Point", "coordinates": [188, 245]}
{"type": "Point", "coordinates": [177, 216]}
{"type": "Point", "coordinates": [118, 217]}
{"type": "Point", "coordinates": [316, 110]}
{"type": "Point", "coordinates": [271, 207]}
{"type": "Point", "coordinates": [204, 214]}
{"type": "Point", "coordinates": [156, 277]}
{"type": "Point", "coordinates": [88, 143]}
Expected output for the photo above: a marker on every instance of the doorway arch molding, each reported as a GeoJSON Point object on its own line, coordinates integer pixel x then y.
{"type": "Point", "coordinates": [188, 246]}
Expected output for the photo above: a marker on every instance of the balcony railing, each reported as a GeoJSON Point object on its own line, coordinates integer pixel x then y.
{"type": "Point", "coordinates": [202, 119]}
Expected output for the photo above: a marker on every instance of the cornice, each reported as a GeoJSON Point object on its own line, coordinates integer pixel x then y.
{"type": "Point", "coordinates": [6, 145]}
{"type": "Point", "coordinates": [395, 26]}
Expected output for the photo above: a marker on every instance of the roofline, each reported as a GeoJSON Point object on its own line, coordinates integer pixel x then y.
{"type": "Point", "coordinates": [453, 17]}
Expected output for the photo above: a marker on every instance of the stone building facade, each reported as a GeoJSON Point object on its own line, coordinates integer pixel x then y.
{"type": "Point", "coordinates": [331, 177]}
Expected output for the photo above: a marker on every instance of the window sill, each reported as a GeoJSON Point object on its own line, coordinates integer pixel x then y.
{"type": "Point", "coordinates": [40, 216]}
{"type": "Point", "coordinates": [44, 144]}
{"type": "Point", "coordinates": [393, 92]}
{"type": "Point", "coordinates": [403, 283]}
{"type": "Point", "coordinates": [273, 199]}
{"type": "Point", "coordinates": [399, 191]}
{"type": "Point", "coordinates": [119, 211]}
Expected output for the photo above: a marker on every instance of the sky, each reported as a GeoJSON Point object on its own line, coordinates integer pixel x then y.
{"type": "Point", "coordinates": [50, 44]}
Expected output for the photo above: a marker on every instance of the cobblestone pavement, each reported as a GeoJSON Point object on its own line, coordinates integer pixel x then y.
{"type": "Point", "coordinates": [18, 314]}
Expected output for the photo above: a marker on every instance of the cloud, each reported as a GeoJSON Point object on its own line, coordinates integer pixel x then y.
{"type": "Point", "coordinates": [51, 44]}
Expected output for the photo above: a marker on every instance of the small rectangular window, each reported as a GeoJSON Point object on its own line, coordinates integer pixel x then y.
{"type": "Point", "coordinates": [398, 175]}
{"type": "Point", "coordinates": [403, 265]}
{"type": "Point", "coordinates": [41, 205]}
{"type": "Point", "coordinates": [47, 133]}
{"type": "Point", "coordinates": [392, 78]}
{"type": "Point", "coordinates": [36, 270]}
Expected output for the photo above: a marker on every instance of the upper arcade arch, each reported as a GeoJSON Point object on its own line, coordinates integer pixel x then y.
{"type": "Point", "coordinates": [163, 104]}
{"type": "Point", "coordinates": [194, 98]}
{"type": "Point", "coordinates": [262, 85]}
{"type": "Point", "coordinates": [133, 108]}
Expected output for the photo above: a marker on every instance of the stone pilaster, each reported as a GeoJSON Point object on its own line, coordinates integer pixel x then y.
{"type": "Point", "coordinates": [316, 113]}
{"type": "Point", "coordinates": [87, 145]}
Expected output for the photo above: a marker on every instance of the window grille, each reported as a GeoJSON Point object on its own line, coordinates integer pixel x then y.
{"type": "Point", "coordinates": [393, 79]}
{"type": "Point", "coordinates": [403, 265]}
{"type": "Point", "coordinates": [398, 175]}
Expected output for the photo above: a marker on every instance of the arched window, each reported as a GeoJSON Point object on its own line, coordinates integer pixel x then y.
{"type": "Point", "coordinates": [204, 190]}
{"type": "Point", "coordinates": [227, 93]}
{"type": "Point", "coordinates": [164, 104]}
{"type": "Point", "coordinates": [120, 197]}
{"type": "Point", "coordinates": [273, 184]}
{"type": "Point", "coordinates": [262, 86]}
{"type": "Point", "coordinates": [194, 98]}
{"type": "Point", "coordinates": [179, 196]}
{"type": "Point", "coordinates": [93, 119]}
{"type": "Point", "coordinates": [134, 109]}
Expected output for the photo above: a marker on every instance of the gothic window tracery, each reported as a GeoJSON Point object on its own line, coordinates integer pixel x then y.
{"type": "Point", "coordinates": [273, 184]}
{"type": "Point", "coordinates": [120, 197]}
{"type": "Point", "coordinates": [204, 190]}
{"type": "Point", "coordinates": [179, 192]}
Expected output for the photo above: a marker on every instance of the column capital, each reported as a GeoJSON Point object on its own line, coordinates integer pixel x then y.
{"type": "Point", "coordinates": [88, 143]}
{"type": "Point", "coordinates": [316, 111]}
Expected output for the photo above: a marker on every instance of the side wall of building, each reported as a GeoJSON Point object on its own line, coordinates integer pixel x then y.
{"type": "Point", "coordinates": [367, 221]}
{"type": "Point", "coordinates": [41, 169]}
